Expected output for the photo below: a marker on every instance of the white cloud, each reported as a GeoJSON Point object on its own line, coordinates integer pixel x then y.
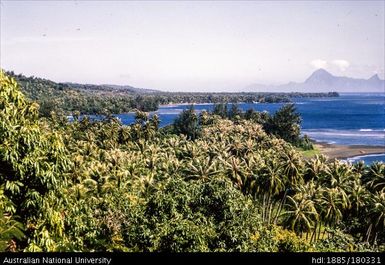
{"type": "Point", "coordinates": [338, 64]}
{"type": "Point", "coordinates": [341, 64]}
{"type": "Point", "coordinates": [319, 63]}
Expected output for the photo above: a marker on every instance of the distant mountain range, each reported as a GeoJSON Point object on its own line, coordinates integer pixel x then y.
{"type": "Point", "coordinates": [323, 81]}
{"type": "Point", "coordinates": [319, 81]}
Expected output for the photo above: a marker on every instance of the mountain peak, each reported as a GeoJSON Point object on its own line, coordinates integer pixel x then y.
{"type": "Point", "coordinates": [374, 78]}
{"type": "Point", "coordinates": [321, 71]}
{"type": "Point", "coordinates": [319, 75]}
{"type": "Point", "coordinates": [323, 81]}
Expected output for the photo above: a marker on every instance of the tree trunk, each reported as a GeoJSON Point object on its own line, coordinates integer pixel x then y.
{"type": "Point", "coordinates": [314, 234]}
{"type": "Point", "coordinates": [323, 236]}
{"type": "Point", "coordinates": [280, 207]}
{"type": "Point", "coordinates": [271, 207]}
{"type": "Point", "coordinates": [263, 207]}
{"type": "Point", "coordinates": [368, 232]}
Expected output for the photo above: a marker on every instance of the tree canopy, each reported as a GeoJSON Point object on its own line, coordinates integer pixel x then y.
{"type": "Point", "coordinates": [102, 186]}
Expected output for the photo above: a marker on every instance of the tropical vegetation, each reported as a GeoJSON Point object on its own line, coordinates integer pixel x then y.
{"type": "Point", "coordinates": [69, 98]}
{"type": "Point", "coordinates": [207, 183]}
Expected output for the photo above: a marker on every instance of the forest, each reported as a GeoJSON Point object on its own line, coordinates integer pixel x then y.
{"type": "Point", "coordinates": [211, 182]}
{"type": "Point", "coordinates": [111, 99]}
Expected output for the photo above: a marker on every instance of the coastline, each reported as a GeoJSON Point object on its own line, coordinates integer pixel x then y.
{"type": "Point", "coordinates": [333, 151]}
{"type": "Point", "coordinates": [184, 104]}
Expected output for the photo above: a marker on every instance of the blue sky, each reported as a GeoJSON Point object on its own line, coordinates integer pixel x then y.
{"type": "Point", "coordinates": [191, 46]}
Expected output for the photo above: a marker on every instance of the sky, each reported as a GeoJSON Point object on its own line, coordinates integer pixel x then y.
{"type": "Point", "coordinates": [191, 46]}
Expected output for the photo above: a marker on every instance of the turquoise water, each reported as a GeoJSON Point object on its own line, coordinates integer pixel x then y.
{"type": "Point", "coordinates": [351, 119]}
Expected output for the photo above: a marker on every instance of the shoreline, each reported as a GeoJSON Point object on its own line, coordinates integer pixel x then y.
{"type": "Point", "coordinates": [335, 151]}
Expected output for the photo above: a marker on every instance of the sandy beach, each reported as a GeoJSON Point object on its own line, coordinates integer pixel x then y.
{"type": "Point", "coordinates": [345, 151]}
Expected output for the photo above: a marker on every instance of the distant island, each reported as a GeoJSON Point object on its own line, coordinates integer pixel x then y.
{"type": "Point", "coordinates": [106, 99]}
{"type": "Point", "coordinates": [323, 81]}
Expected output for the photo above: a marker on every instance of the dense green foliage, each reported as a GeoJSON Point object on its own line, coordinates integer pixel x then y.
{"type": "Point", "coordinates": [101, 186]}
{"type": "Point", "coordinates": [284, 123]}
{"type": "Point", "coordinates": [236, 97]}
{"type": "Point", "coordinates": [87, 99]}
{"type": "Point", "coordinates": [188, 123]}
{"type": "Point", "coordinates": [106, 99]}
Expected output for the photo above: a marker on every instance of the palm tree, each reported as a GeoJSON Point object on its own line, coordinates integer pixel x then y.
{"type": "Point", "coordinates": [171, 165]}
{"type": "Point", "coordinates": [155, 122]}
{"type": "Point", "coordinates": [220, 149]}
{"type": "Point", "coordinates": [190, 150]}
{"type": "Point", "coordinates": [125, 134]}
{"type": "Point", "coordinates": [316, 168]}
{"type": "Point", "coordinates": [249, 146]}
{"type": "Point", "coordinates": [312, 192]}
{"type": "Point", "coordinates": [375, 177]}
{"type": "Point", "coordinates": [376, 215]}
{"type": "Point", "coordinates": [201, 169]}
{"type": "Point", "coordinates": [341, 178]}
{"type": "Point", "coordinates": [271, 182]}
{"type": "Point", "coordinates": [332, 203]}
{"type": "Point", "coordinates": [237, 147]}
{"type": "Point", "coordinates": [300, 214]}
{"type": "Point", "coordinates": [359, 167]}
{"type": "Point", "coordinates": [173, 144]}
{"type": "Point", "coordinates": [235, 169]}
{"type": "Point", "coordinates": [292, 167]}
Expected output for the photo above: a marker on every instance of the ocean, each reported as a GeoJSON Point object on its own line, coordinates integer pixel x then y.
{"type": "Point", "coordinates": [351, 119]}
